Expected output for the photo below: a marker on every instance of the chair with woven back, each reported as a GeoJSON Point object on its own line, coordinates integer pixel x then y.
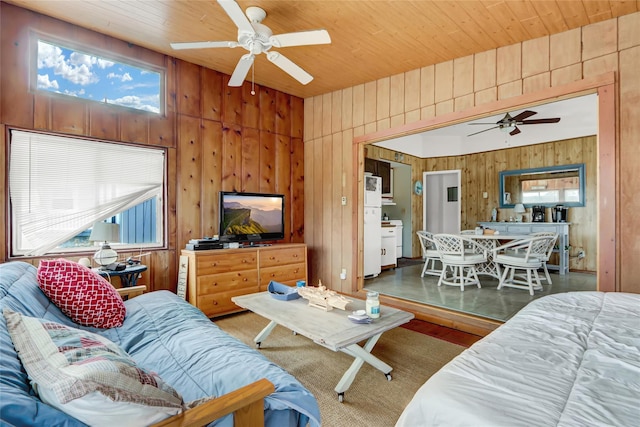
{"type": "Point", "coordinates": [552, 245]}
{"type": "Point", "coordinates": [456, 257]}
{"type": "Point", "coordinates": [429, 253]}
{"type": "Point", "coordinates": [520, 260]}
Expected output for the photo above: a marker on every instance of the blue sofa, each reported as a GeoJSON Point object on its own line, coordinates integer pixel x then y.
{"type": "Point", "coordinates": [164, 334]}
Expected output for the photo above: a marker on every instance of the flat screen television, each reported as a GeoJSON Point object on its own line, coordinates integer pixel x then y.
{"type": "Point", "coordinates": [251, 217]}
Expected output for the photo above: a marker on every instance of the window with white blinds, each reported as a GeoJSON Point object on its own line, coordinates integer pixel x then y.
{"type": "Point", "coordinates": [60, 186]}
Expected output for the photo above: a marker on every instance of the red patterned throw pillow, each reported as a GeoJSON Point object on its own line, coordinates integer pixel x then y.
{"type": "Point", "coordinates": [83, 295]}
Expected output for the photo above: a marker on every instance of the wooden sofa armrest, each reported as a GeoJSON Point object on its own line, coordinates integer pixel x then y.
{"type": "Point", "coordinates": [131, 292]}
{"type": "Point", "coordinates": [246, 403]}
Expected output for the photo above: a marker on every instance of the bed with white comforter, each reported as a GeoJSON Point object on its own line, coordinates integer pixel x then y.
{"type": "Point", "coordinates": [569, 359]}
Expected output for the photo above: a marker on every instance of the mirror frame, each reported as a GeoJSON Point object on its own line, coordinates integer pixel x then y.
{"type": "Point", "coordinates": [581, 175]}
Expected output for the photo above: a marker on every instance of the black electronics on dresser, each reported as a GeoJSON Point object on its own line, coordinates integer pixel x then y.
{"type": "Point", "coordinates": [203, 244]}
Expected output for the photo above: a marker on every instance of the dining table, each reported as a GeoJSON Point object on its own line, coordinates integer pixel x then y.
{"type": "Point", "coordinates": [487, 243]}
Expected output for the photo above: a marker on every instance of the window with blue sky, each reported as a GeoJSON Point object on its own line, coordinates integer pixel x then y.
{"type": "Point", "coordinates": [70, 72]}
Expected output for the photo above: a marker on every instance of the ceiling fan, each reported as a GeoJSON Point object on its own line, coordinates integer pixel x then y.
{"type": "Point", "coordinates": [510, 124]}
{"type": "Point", "coordinates": [258, 38]}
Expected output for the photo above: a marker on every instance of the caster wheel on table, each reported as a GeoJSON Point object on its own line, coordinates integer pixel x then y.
{"type": "Point", "coordinates": [340, 397]}
{"type": "Point", "coordinates": [388, 377]}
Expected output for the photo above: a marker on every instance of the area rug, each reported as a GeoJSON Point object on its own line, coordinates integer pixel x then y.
{"type": "Point", "coordinates": [372, 400]}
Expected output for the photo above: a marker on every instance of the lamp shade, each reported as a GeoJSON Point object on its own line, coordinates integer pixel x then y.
{"type": "Point", "coordinates": [105, 232]}
{"type": "Point", "coordinates": [519, 208]}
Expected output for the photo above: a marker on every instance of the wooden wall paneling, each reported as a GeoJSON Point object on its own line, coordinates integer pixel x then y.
{"type": "Point", "coordinates": [359, 105]}
{"type": "Point", "coordinates": [188, 88]}
{"type": "Point", "coordinates": [383, 92]}
{"type": "Point", "coordinates": [231, 157]}
{"type": "Point", "coordinates": [629, 203]}
{"type": "Point", "coordinates": [162, 130]}
{"type": "Point", "coordinates": [17, 103]}
{"type": "Point", "coordinates": [336, 111]}
{"type": "Point", "coordinates": [211, 94]}
{"type": "Point", "coordinates": [267, 109]}
{"type": "Point", "coordinates": [134, 127]}
{"type": "Point", "coordinates": [266, 167]}
{"type": "Point", "coordinates": [231, 102]}
{"type": "Point", "coordinates": [251, 151]}
{"type": "Point", "coordinates": [411, 90]}
{"type": "Point", "coordinates": [628, 31]}
{"type": "Point", "coordinates": [189, 178]}
{"type": "Point", "coordinates": [327, 214]}
{"type": "Point", "coordinates": [172, 196]}
{"type": "Point", "coordinates": [599, 39]}
{"type": "Point", "coordinates": [508, 63]}
{"type": "Point", "coordinates": [348, 211]}
{"type": "Point", "coordinates": [443, 81]}
{"type": "Point", "coordinates": [281, 165]}
{"type": "Point", "coordinates": [297, 117]}
{"type": "Point", "coordinates": [298, 200]}
{"type": "Point", "coordinates": [317, 117]}
{"type": "Point", "coordinates": [41, 118]}
{"type": "Point", "coordinates": [535, 56]}
{"type": "Point", "coordinates": [463, 76]}
{"type": "Point", "coordinates": [162, 272]}
{"type": "Point", "coordinates": [336, 213]}
{"type": "Point", "coordinates": [314, 229]}
{"type": "Point", "coordinates": [327, 114]}
{"type": "Point", "coordinates": [396, 95]}
{"type": "Point", "coordinates": [565, 48]}
{"type": "Point", "coordinates": [370, 103]}
{"type": "Point", "coordinates": [211, 176]}
{"type": "Point", "coordinates": [69, 116]}
{"type": "Point", "coordinates": [283, 114]}
{"type": "Point", "coordinates": [251, 106]}
{"type": "Point", "coordinates": [171, 84]}
{"type": "Point", "coordinates": [282, 177]}
{"type": "Point", "coordinates": [104, 122]}
{"type": "Point", "coordinates": [346, 109]}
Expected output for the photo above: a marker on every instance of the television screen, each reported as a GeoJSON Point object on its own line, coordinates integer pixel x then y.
{"type": "Point", "coordinates": [251, 216]}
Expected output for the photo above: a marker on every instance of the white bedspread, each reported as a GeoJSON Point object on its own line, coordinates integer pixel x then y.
{"type": "Point", "coordinates": [569, 359]}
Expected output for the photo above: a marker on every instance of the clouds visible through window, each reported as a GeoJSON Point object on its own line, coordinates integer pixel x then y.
{"type": "Point", "coordinates": [69, 72]}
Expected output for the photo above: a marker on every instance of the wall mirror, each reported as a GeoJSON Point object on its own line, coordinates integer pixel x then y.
{"type": "Point", "coordinates": [547, 186]}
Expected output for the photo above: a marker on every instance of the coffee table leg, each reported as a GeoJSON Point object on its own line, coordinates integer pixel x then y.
{"type": "Point", "coordinates": [361, 354]}
{"type": "Point", "coordinates": [264, 333]}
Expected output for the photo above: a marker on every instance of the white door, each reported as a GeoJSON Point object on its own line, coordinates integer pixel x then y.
{"type": "Point", "coordinates": [372, 241]}
{"type": "Point", "coordinates": [441, 201]}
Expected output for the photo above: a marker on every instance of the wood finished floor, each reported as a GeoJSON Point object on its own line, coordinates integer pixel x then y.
{"type": "Point", "coordinates": [442, 332]}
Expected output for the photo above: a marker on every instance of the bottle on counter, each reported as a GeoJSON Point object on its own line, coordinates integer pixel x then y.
{"type": "Point", "coordinates": [494, 215]}
{"type": "Point", "coordinates": [373, 304]}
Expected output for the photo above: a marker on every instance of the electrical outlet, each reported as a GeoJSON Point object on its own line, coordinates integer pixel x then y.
{"type": "Point", "coordinates": [343, 274]}
{"type": "Point", "coordinates": [581, 254]}
{"type": "Point", "coordinates": [344, 200]}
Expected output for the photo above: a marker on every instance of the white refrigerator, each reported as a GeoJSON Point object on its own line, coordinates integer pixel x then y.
{"type": "Point", "coordinates": [372, 226]}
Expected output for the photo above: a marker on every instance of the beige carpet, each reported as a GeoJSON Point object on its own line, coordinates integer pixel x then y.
{"type": "Point", "coordinates": [372, 400]}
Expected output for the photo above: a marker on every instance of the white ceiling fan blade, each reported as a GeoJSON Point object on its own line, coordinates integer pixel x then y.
{"type": "Point", "coordinates": [301, 38]}
{"type": "Point", "coordinates": [202, 45]}
{"type": "Point", "coordinates": [237, 78]}
{"type": "Point", "coordinates": [237, 15]}
{"type": "Point", "coordinates": [289, 67]}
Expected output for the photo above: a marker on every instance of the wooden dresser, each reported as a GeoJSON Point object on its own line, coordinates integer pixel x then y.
{"type": "Point", "coordinates": [215, 276]}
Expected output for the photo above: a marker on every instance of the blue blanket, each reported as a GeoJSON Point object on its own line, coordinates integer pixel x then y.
{"type": "Point", "coordinates": [162, 333]}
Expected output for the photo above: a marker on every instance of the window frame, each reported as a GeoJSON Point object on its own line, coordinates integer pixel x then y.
{"type": "Point", "coordinates": [36, 36]}
{"type": "Point", "coordinates": [163, 228]}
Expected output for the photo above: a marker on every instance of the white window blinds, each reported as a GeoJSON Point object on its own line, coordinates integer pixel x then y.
{"type": "Point", "coordinates": [59, 186]}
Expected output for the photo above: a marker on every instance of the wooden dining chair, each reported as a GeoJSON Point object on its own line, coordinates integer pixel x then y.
{"type": "Point", "coordinates": [461, 262]}
{"type": "Point", "coordinates": [519, 260]}
{"type": "Point", "coordinates": [429, 253]}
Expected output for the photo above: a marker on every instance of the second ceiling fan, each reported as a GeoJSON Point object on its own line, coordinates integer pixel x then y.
{"type": "Point", "coordinates": [510, 124]}
{"type": "Point", "coordinates": [257, 38]}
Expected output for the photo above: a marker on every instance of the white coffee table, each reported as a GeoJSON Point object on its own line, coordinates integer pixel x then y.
{"type": "Point", "coordinates": [331, 329]}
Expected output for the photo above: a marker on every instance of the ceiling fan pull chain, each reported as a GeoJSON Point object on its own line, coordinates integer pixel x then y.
{"type": "Point", "coordinates": [253, 78]}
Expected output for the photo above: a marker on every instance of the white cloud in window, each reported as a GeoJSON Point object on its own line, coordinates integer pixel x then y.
{"type": "Point", "coordinates": [145, 103]}
{"type": "Point", "coordinates": [126, 77]}
{"type": "Point", "coordinates": [76, 69]}
{"type": "Point", "coordinates": [45, 83]}
{"type": "Point", "coordinates": [74, 92]}
{"type": "Point", "coordinates": [104, 63]}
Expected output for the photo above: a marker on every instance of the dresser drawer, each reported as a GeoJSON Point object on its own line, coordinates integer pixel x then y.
{"type": "Point", "coordinates": [287, 274]}
{"type": "Point", "coordinates": [224, 262]}
{"type": "Point", "coordinates": [278, 257]}
{"type": "Point", "coordinates": [220, 303]}
{"type": "Point", "coordinates": [232, 280]}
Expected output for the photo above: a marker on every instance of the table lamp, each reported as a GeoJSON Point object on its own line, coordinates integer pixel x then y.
{"type": "Point", "coordinates": [105, 232]}
{"type": "Point", "coordinates": [519, 210]}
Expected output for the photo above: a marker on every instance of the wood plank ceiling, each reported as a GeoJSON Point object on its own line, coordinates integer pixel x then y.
{"type": "Point", "coordinates": [370, 39]}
